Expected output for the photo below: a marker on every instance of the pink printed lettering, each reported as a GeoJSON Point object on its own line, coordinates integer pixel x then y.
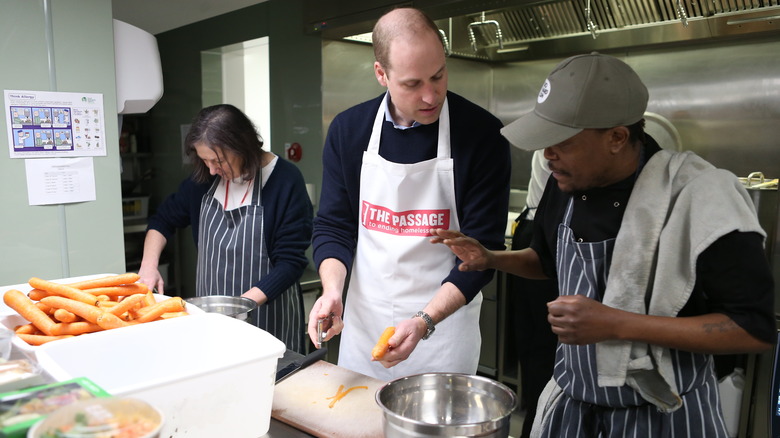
{"type": "Point", "coordinates": [403, 223]}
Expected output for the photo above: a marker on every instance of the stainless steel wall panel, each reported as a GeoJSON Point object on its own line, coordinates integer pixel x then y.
{"type": "Point", "coordinates": [348, 78]}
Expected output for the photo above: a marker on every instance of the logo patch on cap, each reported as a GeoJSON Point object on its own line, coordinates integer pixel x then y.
{"type": "Point", "coordinates": [544, 92]}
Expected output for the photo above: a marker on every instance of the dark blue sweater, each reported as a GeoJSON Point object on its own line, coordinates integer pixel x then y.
{"type": "Point", "coordinates": [481, 167]}
{"type": "Point", "coordinates": [287, 221]}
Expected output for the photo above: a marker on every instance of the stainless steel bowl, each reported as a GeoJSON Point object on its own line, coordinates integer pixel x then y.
{"type": "Point", "coordinates": [439, 404]}
{"type": "Point", "coordinates": [241, 308]}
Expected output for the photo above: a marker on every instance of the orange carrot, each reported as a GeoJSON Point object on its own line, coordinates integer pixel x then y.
{"type": "Point", "coordinates": [108, 281]}
{"type": "Point", "coordinates": [108, 321]}
{"type": "Point", "coordinates": [150, 300]}
{"type": "Point", "coordinates": [27, 329]}
{"type": "Point", "coordinates": [44, 308]}
{"type": "Point", "coordinates": [63, 315]}
{"type": "Point", "coordinates": [150, 313]}
{"type": "Point", "coordinates": [382, 345]}
{"type": "Point", "coordinates": [75, 328]}
{"type": "Point", "coordinates": [107, 304]}
{"type": "Point", "coordinates": [340, 394]}
{"type": "Point", "coordinates": [63, 290]}
{"type": "Point", "coordinates": [37, 294]}
{"type": "Point", "coordinates": [127, 304]}
{"type": "Point", "coordinates": [86, 311]}
{"type": "Point", "coordinates": [119, 291]}
{"type": "Point", "coordinates": [170, 315]}
{"type": "Point", "coordinates": [25, 307]}
{"type": "Point", "coordinates": [39, 339]}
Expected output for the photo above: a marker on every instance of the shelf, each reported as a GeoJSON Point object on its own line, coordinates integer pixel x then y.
{"type": "Point", "coordinates": [135, 226]}
{"type": "Point", "coordinates": [136, 155]}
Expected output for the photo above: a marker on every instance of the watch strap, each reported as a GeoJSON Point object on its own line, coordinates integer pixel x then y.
{"type": "Point", "coordinates": [428, 322]}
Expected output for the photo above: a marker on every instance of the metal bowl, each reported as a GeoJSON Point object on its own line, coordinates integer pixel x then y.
{"type": "Point", "coordinates": [439, 404]}
{"type": "Point", "coordinates": [241, 308]}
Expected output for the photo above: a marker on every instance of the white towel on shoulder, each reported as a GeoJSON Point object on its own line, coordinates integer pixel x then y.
{"type": "Point", "coordinates": [680, 205]}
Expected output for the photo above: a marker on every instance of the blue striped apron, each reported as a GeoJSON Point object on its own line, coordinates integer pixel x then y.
{"type": "Point", "coordinates": [587, 410]}
{"type": "Point", "coordinates": [232, 257]}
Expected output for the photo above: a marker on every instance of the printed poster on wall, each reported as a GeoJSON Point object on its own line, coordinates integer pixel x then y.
{"type": "Point", "coordinates": [54, 124]}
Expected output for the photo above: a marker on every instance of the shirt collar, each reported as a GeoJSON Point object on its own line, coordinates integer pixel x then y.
{"type": "Point", "coordinates": [389, 117]}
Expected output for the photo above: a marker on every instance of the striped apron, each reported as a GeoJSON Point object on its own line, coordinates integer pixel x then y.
{"type": "Point", "coordinates": [232, 257]}
{"type": "Point", "coordinates": [586, 410]}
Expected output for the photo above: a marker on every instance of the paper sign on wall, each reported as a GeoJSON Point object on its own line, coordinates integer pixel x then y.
{"type": "Point", "coordinates": [54, 124]}
{"type": "Point", "coordinates": [60, 180]}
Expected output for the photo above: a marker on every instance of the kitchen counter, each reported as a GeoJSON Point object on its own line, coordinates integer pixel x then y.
{"type": "Point", "coordinates": [279, 429]}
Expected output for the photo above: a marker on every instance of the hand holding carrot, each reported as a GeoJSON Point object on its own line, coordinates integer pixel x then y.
{"type": "Point", "coordinates": [383, 344]}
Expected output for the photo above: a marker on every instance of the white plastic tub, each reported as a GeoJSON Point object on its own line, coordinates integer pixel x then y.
{"type": "Point", "coordinates": [13, 319]}
{"type": "Point", "coordinates": [210, 375]}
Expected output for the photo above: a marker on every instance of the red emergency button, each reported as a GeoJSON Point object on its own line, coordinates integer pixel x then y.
{"type": "Point", "coordinates": [294, 152]}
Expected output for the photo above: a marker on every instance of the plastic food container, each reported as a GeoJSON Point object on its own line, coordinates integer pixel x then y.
{"type": "Point", "coordinates": [13, 319]}
{"type": "Point", "coordinates": [101, 418]}
{"type": "Point", "coordinates": [209, 374]}
{"type": "Point", "coordinates": [23, 408]}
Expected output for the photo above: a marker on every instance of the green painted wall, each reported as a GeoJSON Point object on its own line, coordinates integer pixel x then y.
{"type": "Point", "coordinates": [296, 106]}
{"type": "Point", "coordinates": [73, 239]}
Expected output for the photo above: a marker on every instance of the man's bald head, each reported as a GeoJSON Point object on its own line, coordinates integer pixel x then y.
{"type": "Point", "coordinates": [406, 23]}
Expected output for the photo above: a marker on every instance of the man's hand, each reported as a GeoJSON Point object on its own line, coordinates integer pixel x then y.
{"type": "Point", "coordinates": [326, 305]}
{"type": "Point", "coordinates": [407, 335]}
{"type": "Point", "coordinates": [579, 320]}
{"type": "Point", "coordinates": [473, 255]}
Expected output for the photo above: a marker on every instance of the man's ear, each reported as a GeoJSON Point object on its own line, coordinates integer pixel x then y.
{"type": "Point", "coordinates": [619, 138]}
{"type": "Point", "coordinates": [380, 73]}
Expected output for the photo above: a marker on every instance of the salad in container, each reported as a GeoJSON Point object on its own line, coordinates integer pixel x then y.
{"type": "Point", "coordinates": [101, 418]}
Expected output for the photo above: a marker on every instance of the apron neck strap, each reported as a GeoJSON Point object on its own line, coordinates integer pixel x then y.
{"type": "Point", "coordinates": [443, 144]}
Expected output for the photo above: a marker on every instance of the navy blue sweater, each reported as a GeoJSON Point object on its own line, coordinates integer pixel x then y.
{"type": "Point", "coordinates": [482, 169]}
{"type": "Point", "coordinates": [287, 222]}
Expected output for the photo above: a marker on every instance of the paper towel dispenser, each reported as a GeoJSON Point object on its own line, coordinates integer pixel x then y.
{"type": "Point", "coordinates": [139, 82]}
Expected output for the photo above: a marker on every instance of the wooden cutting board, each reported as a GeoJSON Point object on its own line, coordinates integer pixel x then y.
{"type": "Point", "coordinates": [301, 400]}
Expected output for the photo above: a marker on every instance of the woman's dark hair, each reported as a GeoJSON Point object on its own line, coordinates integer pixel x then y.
{"type": "Point", "coordinates": [224, 128]}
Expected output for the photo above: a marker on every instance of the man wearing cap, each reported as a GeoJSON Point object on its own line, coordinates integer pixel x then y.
{"type": "Point", "coordinates": [643, 243]}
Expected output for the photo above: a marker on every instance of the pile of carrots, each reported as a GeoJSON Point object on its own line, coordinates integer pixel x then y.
{"type": "Point", "coordinates": [57, 311]}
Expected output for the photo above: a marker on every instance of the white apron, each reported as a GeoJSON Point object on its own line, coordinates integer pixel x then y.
{"type": "Point", "coordinates": [397, 271]}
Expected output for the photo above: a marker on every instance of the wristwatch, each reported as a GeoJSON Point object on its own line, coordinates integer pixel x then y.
{"type": "Point", "coordinates": [428, 322]}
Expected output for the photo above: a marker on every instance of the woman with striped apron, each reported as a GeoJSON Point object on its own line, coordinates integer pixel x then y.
{"type": "Point", "coordinates": [252, 246]}
{"type": "Point", "coordinates": [232, 257]}
{"type": "Point", "coordinates": [587, 410]}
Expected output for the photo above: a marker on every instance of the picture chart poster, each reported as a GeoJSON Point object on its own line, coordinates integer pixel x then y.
{"type": "Point", "coordinates": [54, 124]}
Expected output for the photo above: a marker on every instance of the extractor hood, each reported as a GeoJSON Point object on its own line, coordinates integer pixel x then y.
{"type": "Point", "coordinates": [507, 30]}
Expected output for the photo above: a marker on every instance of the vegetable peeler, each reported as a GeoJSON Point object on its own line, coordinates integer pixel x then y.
{"type": "Point", "coordinates": [323, 324]}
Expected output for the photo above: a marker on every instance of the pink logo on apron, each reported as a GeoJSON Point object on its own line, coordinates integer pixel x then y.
{"type": "Point", "coordinates": [403, 223]}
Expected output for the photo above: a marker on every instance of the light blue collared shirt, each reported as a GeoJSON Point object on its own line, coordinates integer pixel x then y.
{"type": "Point", "coordinates": [389, 117]}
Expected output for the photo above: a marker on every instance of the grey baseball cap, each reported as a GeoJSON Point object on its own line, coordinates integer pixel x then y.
{"type": "Point", "coordinates": [584, 91]}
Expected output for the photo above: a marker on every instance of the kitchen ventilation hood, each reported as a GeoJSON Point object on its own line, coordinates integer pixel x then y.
{"type": "Point", "coordinates": [510, 30]}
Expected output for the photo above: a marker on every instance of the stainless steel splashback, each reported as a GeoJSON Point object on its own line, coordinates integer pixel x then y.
{"type": "Point", "coordinates": [724, 98]}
